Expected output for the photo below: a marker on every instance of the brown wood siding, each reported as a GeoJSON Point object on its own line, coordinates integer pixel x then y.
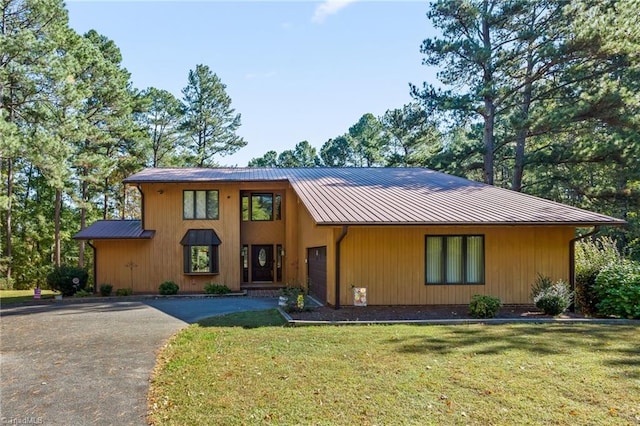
{"type": "Point", "coordinates": [389, 261]}
{"type": "Point", "coordinates": [114, 260]}
{"type": "Point", "coordinates": [163, 213]}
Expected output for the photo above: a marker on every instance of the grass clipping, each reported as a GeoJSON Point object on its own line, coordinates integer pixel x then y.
{"type": "Point", "coordinates": [261, 373]}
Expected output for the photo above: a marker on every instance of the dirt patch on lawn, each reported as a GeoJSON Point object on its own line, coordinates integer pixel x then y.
{"type": "Point", "coordinates": [416, 313]}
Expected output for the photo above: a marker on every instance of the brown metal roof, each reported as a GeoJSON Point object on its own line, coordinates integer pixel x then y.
{"type": "Point", "coordinates": [394, 196]}
{"type": "Point", "coordinates": [114, 230]}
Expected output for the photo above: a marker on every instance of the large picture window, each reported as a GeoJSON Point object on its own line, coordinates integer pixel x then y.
{"type": "Point", "coordinates": [200, 204]}
{"type": "Point", "coordinates": [456, 259]}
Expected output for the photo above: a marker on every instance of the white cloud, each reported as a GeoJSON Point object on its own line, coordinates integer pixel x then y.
{"type": "Point", "coordinates": [327, 8]}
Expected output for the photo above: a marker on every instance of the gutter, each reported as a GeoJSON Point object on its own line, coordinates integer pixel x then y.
{"type": "Point", "coordinates": [95, 266]}
{"type": "Point", "coordinates": [141, 207]}
{"type": "Point", "coordinates": [572, 263]}
{"type": "Point", "coordinates": [343, 234]}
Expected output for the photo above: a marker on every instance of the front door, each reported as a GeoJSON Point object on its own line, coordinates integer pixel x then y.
{"type": "Point", "coordinates": [262, 263]}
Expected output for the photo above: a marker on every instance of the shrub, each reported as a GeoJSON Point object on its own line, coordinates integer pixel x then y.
{"type": "Point", "coordinates": [213, 288]}
{"type": "Point", "coordinates": [591, 258]}
{"type": "Point", "coordinates": [483, 306]}
{"type": "Point", "coordinates": [124, 292]}
{"type": "Point", "coordinates": [106, 289]}
{"type": "Point", "coordinates": [168, 288]}
{"type": "Point", "coordinates": [67, 279]}
{"type": "Point", "coordinates": [83, 293]}
{"type": "Point", "coordinates": [539, 285]}
{"type": "Point", "coordinates": [296, 299]}
{"type": "Point", "coordinates": [6, 283]}
{"type": "Point", "coordinates": [553, 299]}
{"type": "Point", "coordinates": [618, 289]}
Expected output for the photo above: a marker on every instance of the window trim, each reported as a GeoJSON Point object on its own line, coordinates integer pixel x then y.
{"type": "Point", "coordinates": [206, 207]}
{"type": "Point", "coordinates": [465, 257]}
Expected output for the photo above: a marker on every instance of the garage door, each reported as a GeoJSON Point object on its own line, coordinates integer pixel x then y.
{"type": "Point", "coordinates": [317, 272]}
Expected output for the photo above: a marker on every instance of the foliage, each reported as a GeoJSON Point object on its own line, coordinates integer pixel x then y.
{"type": "Point", "coordinates": [296, 298]}
{"type": "Point", "coordinates": [484, 306]}
{"type": "Point", "coordinates": [397, 374]}
{"type": "Point", "coordinates": [541, 283]}
{"type": "Point", "coordinates": [124, 292]}
{"type": "Point", "coordinates": [209, 122]}
{"type": "Point", "coordinates": [591, 257]}
{"type": "Point", "coordinates": [83, 293]}
{"type": "Point", "coordinates": [213, 288]}
{"type": "Point", "coordinates": [67, 279]}
{"type": "Point", "coordinates": [618, 289]}
{"type": "Point", "coordinates": [6, 283]}
{"type": "Point", "coordinates": [552, 298]}
{"type": "Point", "coordinates": [168, 288]}
{"type": "Point", "coordinates": [106, 289]}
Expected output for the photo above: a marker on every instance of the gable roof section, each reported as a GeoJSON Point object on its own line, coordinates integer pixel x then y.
{"type": "Point", "coordinates": [114, 230]}
{"type": "Point", "coordinates": [394, 196]}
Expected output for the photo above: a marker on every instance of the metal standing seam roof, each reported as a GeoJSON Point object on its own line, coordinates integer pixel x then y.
{"type": "Point", "coordinates": [393, 196]}
{"type": "Point", "coordinates": [114, 230]}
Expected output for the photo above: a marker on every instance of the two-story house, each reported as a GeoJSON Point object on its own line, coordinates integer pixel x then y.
{"type": "Point", "coordinates": [409, 235]}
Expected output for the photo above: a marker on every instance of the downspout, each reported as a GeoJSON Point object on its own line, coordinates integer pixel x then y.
{"type": "Point", "coordinates": [95, 266]}
{"type": "Point", "coordinates": [343, 234]}
{"type": "Point", "coordinates": [572, 263]}
{"type": "Point", "coordinates": [141, 206]}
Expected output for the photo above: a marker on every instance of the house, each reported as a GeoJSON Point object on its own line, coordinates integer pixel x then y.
{"type": "Point", "coordinates": [409, 235]}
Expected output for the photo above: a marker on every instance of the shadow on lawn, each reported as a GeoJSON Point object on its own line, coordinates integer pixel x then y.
{"type": "Point", "coordinates": [537, 340]}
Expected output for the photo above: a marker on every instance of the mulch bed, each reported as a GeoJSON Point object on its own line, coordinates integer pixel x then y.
{"type": "Point", "coordinates": [400, 313]}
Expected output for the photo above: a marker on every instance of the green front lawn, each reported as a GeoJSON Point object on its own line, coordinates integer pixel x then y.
{"type": "Point", "coordinates": [263, 373]}
{"type": "Point", "coordinates": [18, 296]}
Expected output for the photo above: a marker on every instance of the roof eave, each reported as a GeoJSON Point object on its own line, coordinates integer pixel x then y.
{"type": "Point", "coordinates": [557, 223]}
{"type": "Point", "coordinates": [144, 235]}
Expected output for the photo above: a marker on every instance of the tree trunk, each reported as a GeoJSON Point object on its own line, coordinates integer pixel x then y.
{"type": "Point", "coordinates": [105, 208]}
{"type": "Point", "coordinates": [489, 105]}
{"type": "Point", "coordinates": [57, 214]}
{"type": "Point", "coordinates": [8, 247]}
{"type": "Point", "coordinates": [521, 137]}
{"type": "Point", "coordinates": [83, 218]}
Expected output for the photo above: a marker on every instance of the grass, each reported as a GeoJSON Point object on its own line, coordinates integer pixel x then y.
{"type": "Point", "coordinates": [18, 296]}
{"type": "Point", "coordinates": [263, 373]}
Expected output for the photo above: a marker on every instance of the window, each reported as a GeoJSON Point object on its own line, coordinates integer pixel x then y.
{"type": "Point", "coordinates": [200, 251]}
{"type": "Point", "coordinates": [200, 204]}
{"type": "Point", "coordinates": [457, 259]}
{"type": "Point", "coordinates": [261, 207]}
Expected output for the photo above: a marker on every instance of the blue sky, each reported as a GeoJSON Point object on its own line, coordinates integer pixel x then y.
{"type": "Point", "coordinates": [295, 70]}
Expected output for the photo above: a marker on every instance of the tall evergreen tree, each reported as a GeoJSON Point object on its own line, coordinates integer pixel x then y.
{"type": "Point", "coordinates": [210, 124]}
{"type": "Point", "coordinates": [161, 119]}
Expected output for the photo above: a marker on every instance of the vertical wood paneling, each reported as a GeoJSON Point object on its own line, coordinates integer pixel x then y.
{"type": "Point", "coordinates": [390, 262]}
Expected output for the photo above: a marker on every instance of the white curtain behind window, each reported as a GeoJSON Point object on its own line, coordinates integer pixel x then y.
{"type": "Point", "coordinates": [454, 260]}
{"type": "Point", "coordinates": [434, 260]}
{"type": "Point", "coordinates": [475, 261]}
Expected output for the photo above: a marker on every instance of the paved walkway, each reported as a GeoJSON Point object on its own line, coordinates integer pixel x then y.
{"type": "Point", "coordinates": [90, 363]}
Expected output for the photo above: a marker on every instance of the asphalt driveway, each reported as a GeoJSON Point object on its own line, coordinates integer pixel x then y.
{"type": "Point", "coordinates": [90, 363]}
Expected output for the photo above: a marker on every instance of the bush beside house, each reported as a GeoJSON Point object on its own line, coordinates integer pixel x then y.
{"type": "Point", "coordinates": [67, 279]}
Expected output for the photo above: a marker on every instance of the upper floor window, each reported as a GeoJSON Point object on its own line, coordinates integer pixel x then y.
{"type": "Point", "coordinates": [198, 204]}
{"type": "Point", "coordinates": [456, 259]}
{"type": "Point", "coordinates": [261, 207]}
